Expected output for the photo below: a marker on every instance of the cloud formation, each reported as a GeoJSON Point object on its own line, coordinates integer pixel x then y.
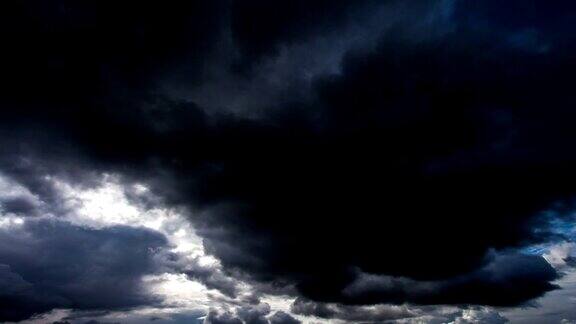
{"type": "Point", "coordinates": [51, 264]}
{"type": "Point", "coordinates": [414, 168]}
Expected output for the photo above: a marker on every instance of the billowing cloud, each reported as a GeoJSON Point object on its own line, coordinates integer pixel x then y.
{"type": "Point", "coordinates": [414, 165]}
{"type": "Point", "coordinates": [255, 314]}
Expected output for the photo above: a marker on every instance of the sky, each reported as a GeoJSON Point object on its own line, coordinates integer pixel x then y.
{"type": "Point", "coordinates": [285, 162]}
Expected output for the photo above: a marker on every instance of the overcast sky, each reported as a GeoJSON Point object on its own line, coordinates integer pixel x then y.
{"type": "Point", "coordinates": [291, 161]}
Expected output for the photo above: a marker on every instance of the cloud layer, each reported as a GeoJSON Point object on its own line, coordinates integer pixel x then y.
{"type": "Point", "coordinates": [414, 165]}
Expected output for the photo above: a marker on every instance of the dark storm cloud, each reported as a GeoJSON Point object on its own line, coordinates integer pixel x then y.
{"type": "Point", "coordinates": [260, 27]}
{"type": "Point", "coordinates": [507, 280]}
{"type": "Point", "coordinates": [373, 314]}
{"type": "Point", "coordinates": [427, 155]}
{"type": "Point", "coordinates": [397, 314]}
{"type": "Point", "coordinates": [440, 144]}
{"type": "Point", "coordinates": [48, 264]}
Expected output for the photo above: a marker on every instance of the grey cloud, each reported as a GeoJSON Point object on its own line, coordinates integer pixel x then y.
{"type": "Point", "coordinates": [443, 315]}
{"type": "Point", "coordinates": [479, 316]}
{"type": "Point", "coordinates": [19, 206]}
{"type": "Point", "coordinates": [32, 173]}
{"type": "Point", "coordinates": [411, 118]}
{"type": "Point", "coordinates": [211, 277]}
{"type": "Point", "coordinates": [17, 199]}
{"type": "Point", "coordinates": [288, 70]}
{"type": "Point", "coordinates": [376, 313]}
{"type": "Point", "coordinates": [221, 317]}
{"type": "Point", "coordinates": [281, 317]}
{"type": "Point", "coordinates": [249, 314]}
{"type": "Point", "coordinates": [51, 264]}
{"type": "Point", "coordinates": [254, 314]}
{"type": "Point", "coordinates": [531, 275]}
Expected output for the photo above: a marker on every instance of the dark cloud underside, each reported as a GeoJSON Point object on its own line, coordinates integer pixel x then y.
{"type": "Point", "coordinates": [46, 265]}
{"type": "Point", "coordinates": [424, 162]}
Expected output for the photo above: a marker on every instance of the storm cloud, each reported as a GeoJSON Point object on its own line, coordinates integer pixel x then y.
{"type": "Point", "coordinates": [416, 169]}
{"type": "Point", "coordinates": [47, 265]}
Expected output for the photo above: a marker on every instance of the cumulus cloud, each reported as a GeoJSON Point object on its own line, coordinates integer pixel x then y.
{"type": "Point", "coordinates": [217, 317]}
{"type": "Point", "coordinates": [471, 316]}
{"type": "Point", "coordinates": [253, 314]}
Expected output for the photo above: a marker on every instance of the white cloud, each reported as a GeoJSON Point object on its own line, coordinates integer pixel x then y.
{"type": "Point", "coordinates": [179, 290]}
{"type": "Point", "coordinates": [479, 316]}
{"type": "Point", "coordinates": [558, 254]}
